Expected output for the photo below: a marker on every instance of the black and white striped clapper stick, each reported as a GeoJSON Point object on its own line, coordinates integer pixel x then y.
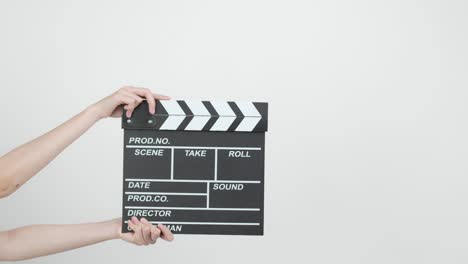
{"type": "Point", "coordinates": [209, 116]}
{"type": "Point", "coordinates": [196, 166]}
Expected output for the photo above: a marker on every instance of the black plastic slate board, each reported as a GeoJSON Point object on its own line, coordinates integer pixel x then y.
{"type": "Point", "coordinates": [196, 167]}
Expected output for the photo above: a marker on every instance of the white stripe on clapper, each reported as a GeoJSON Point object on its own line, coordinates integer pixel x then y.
{"type": "Point", "coordinates": [200, 115]}
{"type": "Point", "coordinates": [251, 116]}
{"type": "Point", "coordinates": [226, 116]}
{"type": "Point", "coordinates": [175, 115]}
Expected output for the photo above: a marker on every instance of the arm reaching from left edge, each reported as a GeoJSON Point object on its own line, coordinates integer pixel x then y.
{"type": "Point", "coordinates": [40, 240]}
{"type": "Point", "coordinates": [22, 163]}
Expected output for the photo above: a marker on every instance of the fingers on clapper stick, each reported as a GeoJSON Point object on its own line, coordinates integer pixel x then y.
{"type": "Point", "coordinates": [166, 233]}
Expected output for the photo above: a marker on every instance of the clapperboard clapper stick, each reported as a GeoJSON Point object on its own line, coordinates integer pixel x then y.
{"type": "Point", "coordinates": [196, 166]}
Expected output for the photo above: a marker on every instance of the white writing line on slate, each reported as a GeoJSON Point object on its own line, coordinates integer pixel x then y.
{"type": "Point", "coordinates": [166, 193]}
{"type": "Point", "coordinates": [203, 223]}
{"type": "Point", "coordinates": [190, 147]}
{"type": "Point", "coordinates": [200, 181]}
{"type": "Point", "coordinates": [192, 208]}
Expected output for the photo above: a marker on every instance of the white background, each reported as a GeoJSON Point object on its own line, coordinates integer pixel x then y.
{"type": "Point", "coordinates": [367, 146]}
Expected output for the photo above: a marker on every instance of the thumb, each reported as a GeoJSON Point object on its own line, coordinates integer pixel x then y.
{"type": "Point", "coordinates": [129, 235]}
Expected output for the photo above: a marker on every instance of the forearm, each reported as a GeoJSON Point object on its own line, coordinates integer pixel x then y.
{"type": "Point", "coordinates": [40, 240]}
{"type": "Point", "coordinates": [22, 163]}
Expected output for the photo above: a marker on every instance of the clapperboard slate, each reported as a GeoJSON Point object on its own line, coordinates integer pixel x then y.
{"type": "Point", "coordinates": [196, 166]}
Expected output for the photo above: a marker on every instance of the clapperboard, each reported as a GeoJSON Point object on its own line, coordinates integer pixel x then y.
{"type": "Point", "coordinates": [196, 166]}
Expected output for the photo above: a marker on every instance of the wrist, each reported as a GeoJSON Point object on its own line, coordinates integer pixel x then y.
{"type": "Point", "coordinates": [113, 227]}
{"type": "Point", "coordinates": [94, 112]}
